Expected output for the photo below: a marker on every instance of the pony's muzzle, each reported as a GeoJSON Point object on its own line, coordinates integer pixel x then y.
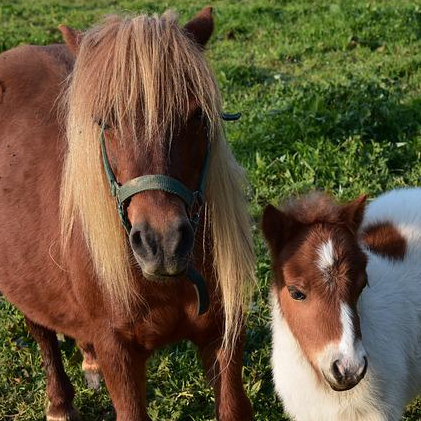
{"type": "Point", "coordinates": [162, 253]}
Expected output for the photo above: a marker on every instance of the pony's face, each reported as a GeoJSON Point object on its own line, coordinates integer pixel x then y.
{"type": "Point", "coordinates": [319, 272]}
{"type": "Point", "coordinates": [156, 97]}
{"type": "Point", "coordinates": [162, 234]}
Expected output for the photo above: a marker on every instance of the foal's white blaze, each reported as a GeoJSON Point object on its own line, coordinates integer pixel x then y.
{"type": "Point", "coordinates": [326, 256]}
{"type": "Point", "coordinates": [349, 351]}
{"type": "Point", "coordinates": [346, 344]}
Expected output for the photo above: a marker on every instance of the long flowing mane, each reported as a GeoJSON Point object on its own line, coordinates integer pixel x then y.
{"type": "Point", "coordinates": [147, 66]}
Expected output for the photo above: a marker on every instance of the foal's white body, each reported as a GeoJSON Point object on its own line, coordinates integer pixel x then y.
{"type": "Point", "coordinates": [390, 317]}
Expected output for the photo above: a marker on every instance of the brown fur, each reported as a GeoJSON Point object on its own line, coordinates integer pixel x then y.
{"type": "Point", "coordinates": [294, 235]}
{"type": "Point", "coordinates": [384, 239]}
{"type": "Point", "coordinates": [71, 37]}
{"type": "Point", "coordinates": [62, 291]}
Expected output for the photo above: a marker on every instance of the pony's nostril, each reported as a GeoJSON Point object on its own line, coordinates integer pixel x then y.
{"type": "Point", "coordinates": [180, 240]}
{"type": "Point", "coordinates": [136, 239]}
{"type": "Point", "coordinates": [144, 241]}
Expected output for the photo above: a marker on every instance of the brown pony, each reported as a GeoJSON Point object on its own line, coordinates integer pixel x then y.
{"type": "Point", "coordinates": [67, 262]}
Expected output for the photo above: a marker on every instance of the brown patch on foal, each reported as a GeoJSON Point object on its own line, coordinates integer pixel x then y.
{"type": "Point", "coordinates": [383, 238]}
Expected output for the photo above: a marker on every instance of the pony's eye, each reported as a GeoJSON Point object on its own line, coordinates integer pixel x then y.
{"type": "Point", "coordinates": [100, 123]}
{"type": "Point", "coordinates": [296, 294]}
{"type": "Point", "coordinates": [198, 114]}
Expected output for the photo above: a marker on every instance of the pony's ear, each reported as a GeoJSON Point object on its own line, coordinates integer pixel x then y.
{"type": "Point", "coordinates": [71, 37]}
{"type": "Point", "coordinates": [200, 28]}
{"type": "Point", "coordinates": [353, 212]}
{"type": "Point", "coordinates": [277, 227]}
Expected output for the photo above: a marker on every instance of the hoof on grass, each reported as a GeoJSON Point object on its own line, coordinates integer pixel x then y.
{"type": "Point", "coordinates": [93, 379]}
{"type": "Point", "coordinates": [71, 414]}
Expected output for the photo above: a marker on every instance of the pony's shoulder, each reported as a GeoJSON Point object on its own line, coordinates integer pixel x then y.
{"type": "Point", "coordinates": [34, 62]}
{"type": "Point", "coordinates": [31, 77]}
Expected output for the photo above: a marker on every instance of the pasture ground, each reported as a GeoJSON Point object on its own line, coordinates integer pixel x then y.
{"type": "Point", "coordinates": [330, 96]}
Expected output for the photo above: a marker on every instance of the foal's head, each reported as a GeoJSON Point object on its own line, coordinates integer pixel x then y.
{"type": "Point", "coordinates": [145, 81]}
{"type": "Point", "coordinates": [319, 273]}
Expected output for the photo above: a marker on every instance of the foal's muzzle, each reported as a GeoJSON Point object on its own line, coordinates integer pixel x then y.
{"type": "Point", "coordinates": [162, 255]}
{"type": "Point", "coordinates": [345, 376]}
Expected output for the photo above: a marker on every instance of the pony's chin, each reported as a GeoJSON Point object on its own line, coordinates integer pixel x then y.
{"type": "Point", "coordinates": [161, 278]}
{"type": "Point", "coordinates": [157, 276]}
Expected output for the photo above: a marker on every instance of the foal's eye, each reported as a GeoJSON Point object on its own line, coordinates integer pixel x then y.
{"type": "Point", "coordinates": [296, 294]}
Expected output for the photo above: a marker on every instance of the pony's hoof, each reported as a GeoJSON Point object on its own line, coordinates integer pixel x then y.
{"type": "Point", "coordinates": [93, 379]}
{"type": "Point", "coordinates": [71, 414]}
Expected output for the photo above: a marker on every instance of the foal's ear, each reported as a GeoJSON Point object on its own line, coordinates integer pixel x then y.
{"type": "Point", "coordinates": [276, 227]}
{"type": "Point", "coordinates": [353, 212]}
{"type": "Point", "coordinates": [201, 26]}
{"type": "Point", "coordinates": [72, 38]}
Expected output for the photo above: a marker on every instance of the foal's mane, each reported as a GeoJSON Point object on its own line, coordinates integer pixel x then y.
{"type": "Point", "coordinates": [147, 66]}
{"type": "Point", "coordinates": [313, 208]}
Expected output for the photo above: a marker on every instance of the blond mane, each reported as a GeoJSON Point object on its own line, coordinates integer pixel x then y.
{"type": "Point", "coordinates": [147, 66]}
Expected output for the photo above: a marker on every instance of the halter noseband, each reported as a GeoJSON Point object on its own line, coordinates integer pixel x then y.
{"type": "Point", "coordinates": [192, 199]}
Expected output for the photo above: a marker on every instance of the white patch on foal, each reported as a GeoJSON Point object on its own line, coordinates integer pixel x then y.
{"type": "Point", "coordinates": [326, 256]}
{"type": "Point", "coordinates": [349, 351]}
{"type": "Point", "coordinates": [346, 344]}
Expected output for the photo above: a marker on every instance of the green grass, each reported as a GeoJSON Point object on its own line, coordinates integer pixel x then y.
{"type": "Point", "coordinates": [330, 95]}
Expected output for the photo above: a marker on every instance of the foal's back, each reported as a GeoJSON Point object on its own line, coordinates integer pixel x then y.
{"type": "Point", "coordinates": [390, 308]}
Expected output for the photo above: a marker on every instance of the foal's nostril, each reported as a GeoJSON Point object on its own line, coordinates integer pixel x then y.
{"type": "Point", "coordinates": [362, 372]}
{"type": "Point", "coordinates": [336, 370]}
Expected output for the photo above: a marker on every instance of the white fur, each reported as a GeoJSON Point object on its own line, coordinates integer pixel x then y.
{"type": "Point", "coordinates": [326, 256]}
{"type": "Point", "coordinates": [390, 316]}
{"type": "Point", "coordinates": [346, 344]}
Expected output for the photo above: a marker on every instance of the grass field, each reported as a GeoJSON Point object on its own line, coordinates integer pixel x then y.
{"type": "Point", "coordinates": [330, 96]}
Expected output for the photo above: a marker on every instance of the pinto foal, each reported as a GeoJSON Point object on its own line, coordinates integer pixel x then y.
{"type": "Point", "coordinates": [346, 305]}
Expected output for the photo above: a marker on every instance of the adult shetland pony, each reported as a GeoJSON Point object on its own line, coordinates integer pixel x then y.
{"type": "Point", "coordinates": [139, 100]}
{"type": "Point", "coordinates": [347, 306]}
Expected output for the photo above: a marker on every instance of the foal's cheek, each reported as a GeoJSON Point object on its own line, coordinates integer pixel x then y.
{"type": "Point", "coordinates": [302, 318]}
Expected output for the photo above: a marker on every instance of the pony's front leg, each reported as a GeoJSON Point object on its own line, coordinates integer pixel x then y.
{"type": "Point", "coordinates": [224, 371]}
{"type": "Point", "coordinates": [59, 389]}
{"type": "Point", "coordinates": [123, 366]}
